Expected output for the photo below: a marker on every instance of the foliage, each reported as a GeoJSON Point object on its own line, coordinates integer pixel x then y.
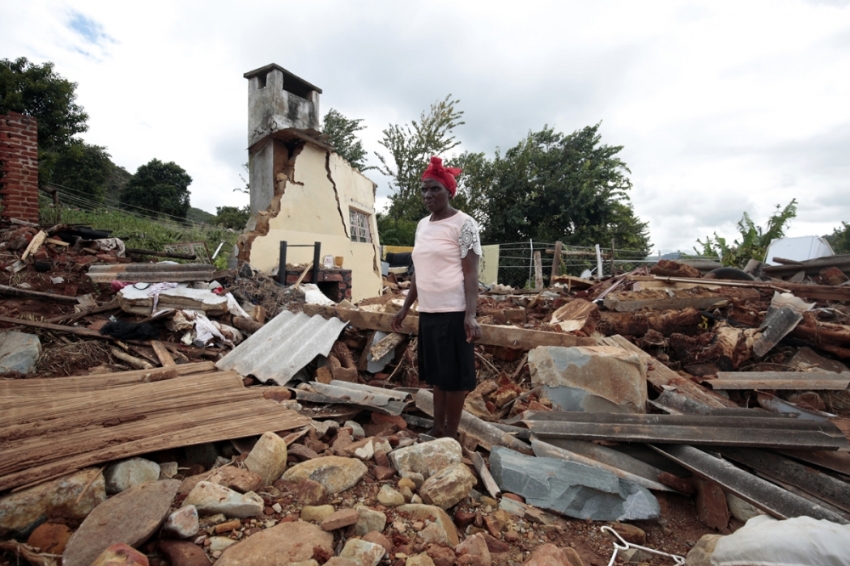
{"type": "Point", "coordinates": [839, 240]}
{"type": "Point", "coordinates": [115, 183]}
{"type": "Point", "coordinates": [553, 187]}
{"type": "Point", "coordinates": [232, 217]}
{"type": "Point", "coordinates": [472, 184]}
{"type": "Point", "coordinates": [410, 147]}
{"type": "Point", "coordinates": [84, 169]}
{"type": "Point", "coordinates": [342, 135]}
{"type": "Point", "coordinates": [200, 216]}
{"type": "Point", "coordinates": [396, 232]}
{"type": "Point", "coordinates": [247, 188]}
{"type": "Point", "coordinates": [158, 188]}
{"type": "Point", "coordinates": [753, 240]}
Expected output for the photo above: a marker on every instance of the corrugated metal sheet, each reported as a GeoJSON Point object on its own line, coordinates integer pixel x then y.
{"type": "Point", "coordinates": [151, 272]}
{"type": "Point", "coordinates": [346, 393]}
{"type": "Point", "coordinates": [283, 346]}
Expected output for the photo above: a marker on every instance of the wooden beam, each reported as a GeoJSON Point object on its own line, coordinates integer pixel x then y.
{"type": "Point", "coordinates": [163, 354]}
{"type": "Point", "coordinates": [56, 327]}
{"type": "Point", "coordinates": [840, 293]}
{"type": "Point", "coordinates": [493, 335]}
{"type": "Point", "coordinates": [15, 292]}
{"type": "Point", "coordinates": [538, 271]}
{"type": "Point", "coordinates": [556, 263]}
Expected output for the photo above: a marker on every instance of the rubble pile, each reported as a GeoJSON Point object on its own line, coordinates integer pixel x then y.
{"type": "Point", "coordinates": [165, 413]}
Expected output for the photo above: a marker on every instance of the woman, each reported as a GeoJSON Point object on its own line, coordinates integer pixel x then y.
{"type": "Point", "coordinates": [445, 257]}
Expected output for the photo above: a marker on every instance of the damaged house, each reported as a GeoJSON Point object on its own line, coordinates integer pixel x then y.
{"type": "Point", "coordinates": [303, 193]}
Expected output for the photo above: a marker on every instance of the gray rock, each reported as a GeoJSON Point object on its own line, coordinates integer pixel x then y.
{"type": "Point", "coordinates": [268, 458]}
{"type": "Point", "coordinates": [334, 472]}
{"type": "Point", "coordinates": [390, 497]}
{"type": "Point", "coordinates": [73, 496]}
{"type": "Point", "coordinates": [182, 523]}
{"type": "Point", "coordinates": [18, 352]}
{"type": "Point", "coordinates": [363, 553]}
{"type": "Point", "coordinates": [357, 430]}
{"type": "Point", "coordinates": [571, 488]}
{"type": "Point", "coordinates": [220, 543]}
{"type": "Point", "coordinates": [130, 517]}
{"type": "Point", "coordinates": [211, 498]}
{"type": "Point", "coordinates": [448, 487]}
{"type": "Point", "coordinates": [281, 545]}
{"type": "Point", "coordinates": [369, 521]}
{"type": "Point", "coordinates": [590, 378]}
{"type": "Point", "coordinates": [129, 473]}
{"type": "Point", "coordinates": [427, 458]}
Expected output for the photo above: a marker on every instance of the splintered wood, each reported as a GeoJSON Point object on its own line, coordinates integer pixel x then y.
{"type": "Point", "coordinates": [48, 431]}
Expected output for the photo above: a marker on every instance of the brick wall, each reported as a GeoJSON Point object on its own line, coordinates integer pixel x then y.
{"type": "Point", "coordinates": [19, 167]}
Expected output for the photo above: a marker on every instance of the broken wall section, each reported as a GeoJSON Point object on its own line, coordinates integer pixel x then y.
{"type": "Point", "coordinates": [19, 167]}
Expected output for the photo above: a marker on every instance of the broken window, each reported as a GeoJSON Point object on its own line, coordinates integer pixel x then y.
{"type": "Point", "coordinates": [359, 226]}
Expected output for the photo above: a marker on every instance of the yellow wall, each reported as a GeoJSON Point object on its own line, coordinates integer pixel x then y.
{"type": "Point", "coordinates": [488, 265]}
{"type": "Point", "coordinates": [310, 212]}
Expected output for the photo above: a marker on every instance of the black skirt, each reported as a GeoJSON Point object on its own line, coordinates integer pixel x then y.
{"type": "Point", "coordinates": [446, 359]}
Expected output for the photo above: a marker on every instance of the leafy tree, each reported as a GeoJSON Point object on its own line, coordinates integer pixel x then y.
{"type": "Point", "coordinates": [158, 188]}
{"type": "Point", "coordinates": [753, 241]}
{"type": "Point", "coordinates": [553, 187]}
{"type": "Point", "coordinates": [472, 184]}
{"type": "Point", "coordinates": [840, 239]}
{"type": "Point", "coordinates": [342, 135]}
{"type": "Point", "coordinates": [84, 169]}
{"type": "Point", "coordinates": [396, 232]}
{"type": "Point", "coordinates": [115, 183]}
{"type": "Point", "coordinates": [410, 147]}
{"type": "Point", "coordinates": [232, 217]}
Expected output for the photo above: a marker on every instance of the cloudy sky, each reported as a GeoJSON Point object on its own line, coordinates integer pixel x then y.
{"type": "Point", "coordinates": [722, 107]}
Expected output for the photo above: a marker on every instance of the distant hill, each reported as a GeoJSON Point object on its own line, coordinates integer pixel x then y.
{"type": "Point", "coordinates": [198, 215]}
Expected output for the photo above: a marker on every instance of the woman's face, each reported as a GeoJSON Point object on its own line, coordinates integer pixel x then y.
{"type": "Point", "coordinates": [435, 195]}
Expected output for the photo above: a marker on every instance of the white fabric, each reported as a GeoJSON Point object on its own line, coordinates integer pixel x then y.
{"type": "Point", "coordinates": [312, 295]}
{"type": "Point", "coordinates": [801, 541]}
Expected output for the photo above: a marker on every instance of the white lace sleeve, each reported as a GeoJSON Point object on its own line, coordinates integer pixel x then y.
{"type": "Point", "coordinates": [469, 239]}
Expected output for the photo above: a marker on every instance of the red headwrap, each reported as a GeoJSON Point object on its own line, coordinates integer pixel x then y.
{"type": "Point", "coordinates": [445, 175]}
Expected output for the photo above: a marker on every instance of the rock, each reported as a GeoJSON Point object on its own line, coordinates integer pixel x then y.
{"type": "Point", "coordinates": [268, 458]}
{"type": "Point", "coordinates": [630, 533]}
{"type": "Point", "coordinates": [409, 483]}
{"type": "Point", "coordinates": [363, 449]}
{"type": "Point", "coordinates": [390, 497]}
{"type": "Point", "coordinates": [495, 545]}
{"type": "Point", "coordinates": [168, 470]}
{"type": "Point", "coordinates": [448, 487]}
{"type": "Point", "coordinates": [550, 555]}
{"type": "Point", "coordinates": [120, 555]}
{"type": "Point", "coordinates": [302, 453]}
{"type": "Point", "coordinates": [740, 509]}
{"type": "Point", "coordinates": [419, 560]}
{"type": "Point", "coordinates": [511, 535]}
{"type": "Point", "coordinates": [50, 538]}
{"type": "Point", "coordinates": [219, 544]}
{"type": "Point", "coordinates": [427, 458]}
{"type": "Point", "coordinates": [129, 473]}
{"type": "Point", "coordinates": [590, 378]}
{"type": "Point", "coordinates": [357, 430]}
{"type": "Point", "coordinates": [183, 553]}
{"type": "Point", "coordinates": [340, 519]}
{"type": "Point", "coordinates": [369, 521]}
{"type": "Point", "coordinates": [339, 561]}
{"type": "Point", "coordinates": [278, 546]}
{"type": "Point", "coordinates": [211, 498]}
{"type": "Point", "coordinates": [433, 533]}
{"type": "Point", "coordinates": [362, 552]}
{"type": "Point", "coordinates": [316, 513]}
{"type": "Point", "coordinates": [414, 477]}
{"type": "Point", "coordinates": [475, 546]}
{"type": "Point", "coordinates": [701, 553]}
{"type": "Point", "coordinates": [306, 492]}
{"type": "Point", "coordinates": [441, 555]}
{"type": "Point", "coordinates": [570, 488]}
{"type": "Point", "coordinates": [711, 504]}
{"type": "Point", "coordinates": [430, 512]}
{"type": "Point", "coordinates": [182, 523]}
{"type": "Point", "coordinates": [464, 518]}
{"type": "Point", "coordinates": [376, 537]}
{"type": "Point", "coordinates": [334, 472]}
{"type": "Point", "coordinates": [237, 479]}
{"type": "Point", "coordinates": [130, 517]}
{"type": "Point", "coordinates": [68, 497]}
{"type": "Point", "coordinates": [19, 352]}
{"type": "Point", "coordinates": [381, 473]}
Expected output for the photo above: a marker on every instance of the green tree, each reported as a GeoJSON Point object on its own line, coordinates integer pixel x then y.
{"type": "Point", "coordinates": [396, 232]}
{"type": "Point", "coordinates": [553, 187]}
{"type": "Point", "coordinates": [84, 169]}
{"type": "Point", "coordinates": [753, 241]}
{"type": "Point", "coordinates": [410, 147]}
{"type": "Point", "coordinates": [158, 188]}
{"type": "Point", "coordinates": [840, 239]}
{"type": "Point", "coordinates": [472, 184]}
{"type": "Point", "coordinates": [342, 135]}
{"type": "Point", "coordinates": [232, 217]}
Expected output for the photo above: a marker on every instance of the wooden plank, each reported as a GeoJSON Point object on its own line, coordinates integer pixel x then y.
{"type": "Point", "coordinates": [493, 335]}
{"type": "Point", "coordinates": [675, 299]}
{"type": "Point", "coordinates": [779, 384]}
{"type": "Point", "coordinates": [538, 271]}
{"type": "Point", "coordinates": [762, 494]}
{"type": "Point", "coordinates": [556, 263]}
{"type": "Point", "coordinates": [163, 354]}
{"type": "Point", "coordinates": [484, 473]}
{"type": "Point", "coordinates": [839, 293]}
{"type": "Point", "coordinates": [15, 292]}
{"type": "Point", "coordinates": [34, 244]}
{"type": "Point", "coordinates": [385, 344]}
{"type": "Point", "coordinates": [784, 375]}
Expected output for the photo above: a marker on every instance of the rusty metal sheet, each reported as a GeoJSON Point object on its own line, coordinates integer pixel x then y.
{"type": "Point", "coordinates": [151, 272]}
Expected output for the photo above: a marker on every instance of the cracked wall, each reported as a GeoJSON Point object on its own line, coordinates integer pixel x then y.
{"type": "Point", "coordinates": [309, 200]}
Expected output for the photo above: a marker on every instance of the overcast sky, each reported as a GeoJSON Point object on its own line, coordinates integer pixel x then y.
{"type": "Point", "coordinates": [722, 107]}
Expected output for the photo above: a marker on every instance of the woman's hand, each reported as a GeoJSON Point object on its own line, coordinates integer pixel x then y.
{"type": "Point", "coordinates": [398, 319]}
{"type": "Point", "coordinates": [473, 330]}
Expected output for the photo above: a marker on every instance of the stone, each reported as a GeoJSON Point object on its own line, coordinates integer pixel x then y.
{"type": "Point", "coordinates": [476, 546]}
{"type": "Point", "coordinates": [740, 509]}
{"type": "Point", "coordinates": [183, 553]}
{"type": "Point", "coordinates": [415, 477]}
{"type": "Point", "coordinates": [50, 538]}
{"type": "Point", "coordinates": [130, 517]}
{"type": "Point", "coordinates": [363, 449]}
{"type": "Point", "coordinates": [302, 453]}
{"type": "Point", "coordinates": [376, 537]}
{"type": "Point", "coordinates": [218, 544]}
{"type": "Point", "coordinates": [19, 352]}
{"type": "Point", "coordinates": [433, 533]}
{"type": "Point", "coordinates": [182, 523]}
{"type": "Point", "coordinates": [334, 472]}
{"type": "Point", "coordinates": [72, 497]}
{"type": "Point", "coordinates": [237, 479]}
{"type": "Point", "coordinates": [435, 514]}
{"type": "Point", "coordinates": [280, 545]}
{"type": "Point", "coordinates": [448, 487]}
{"type": "Point", "coordinates": [464, 518]}
{"type": "Point", "coordinates": [550, 555]}
{"type": "Point", "coordinates": [362, 552]}
{"type": "Point", "coordinates": [316, 513]}
{"type": "Point", "coordinates": [495, 545]}
{"type": "Point", "coordinates": [441, 555]}
{"type": "Point", "coordinates": [408, 483]}
{"type": "Point", "coordinates": [570, 488]}
{"type": "Point", "coordinates": [630, 533]}
{"type": "Point", "coordinates": [711, 505]}
{"type": "Point", "coordinates": [419, 560]}
{"type": "Point", "coordinates": [211, 498]}
{"type": "Point", "coordinates": [356, 429]}
{"type": "Point", "coordinates": [306, 492]}
{"type": "Point", "coordinates": [369, 521]}
{"type": "Point", "coordinates": [427, 458]}
{"type": "Point", "coordinates": [511, 535]}
{"type": "Point", "coordinates": [168, 470]}
{"type": "Point", "coordinates": [381, 473]}
{"type": "Point", "coordinates": [268, 458]}
{"type": "Point", "coordinates": [120, 554]}
{"type": "Point", "coordinates": [407, 494]}
{"type": "Point", "coordinates": [129, 473]}
{"type": "Point", "coordinates": [390, 497]}
{"type": "Point", "coordinates": [339, 561]}
{"type": "Point", "coordinates": [340, 519]}
{"type": "Point", "coordinates": [598, 379]}
{"type": "Point", "coordinates": [701, 553]}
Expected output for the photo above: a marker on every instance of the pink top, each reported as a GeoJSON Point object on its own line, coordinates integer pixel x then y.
{"type": "Point", "coordinates": [437, 251]}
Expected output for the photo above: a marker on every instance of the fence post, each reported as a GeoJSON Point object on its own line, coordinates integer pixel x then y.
{"type": "Point", "coordinates": [556, 263]}
{"type": "Point", "coordinates": [598, 263]}
{"type": "Point", "coordinates": [613, 255]}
